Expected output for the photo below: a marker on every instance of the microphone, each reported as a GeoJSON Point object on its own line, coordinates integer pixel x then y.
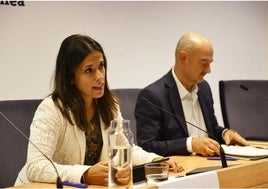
{"type": "Point", "coordinates": [252, 92]}
{"type": "Point", "coordinates": [58, 182]}
{"type": "Point", "coordinates": [222, 153]}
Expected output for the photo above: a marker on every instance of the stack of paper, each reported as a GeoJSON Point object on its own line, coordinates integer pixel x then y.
{"type": "Point", "coordinates": [245, 151]}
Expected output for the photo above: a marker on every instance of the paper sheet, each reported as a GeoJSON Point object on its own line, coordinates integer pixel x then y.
{"type": "Point", "coordinates": [247, 151]}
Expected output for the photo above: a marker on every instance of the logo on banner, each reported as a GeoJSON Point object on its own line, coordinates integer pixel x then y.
{"type": "Point", "coordinates": [13, 3]}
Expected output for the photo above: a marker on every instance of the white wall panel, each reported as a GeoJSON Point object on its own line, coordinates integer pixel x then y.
{"type": "Point", "coordinates": [139, 39]}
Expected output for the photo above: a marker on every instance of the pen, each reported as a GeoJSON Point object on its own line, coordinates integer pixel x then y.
{"type": "Point", "coordinates": [260, 147]}
{"type": "Point", "coordinates": [77, 185]}
{"type": "Point", "coordinates": [219, 158]}
{"type": "Point", "coordinates": [161, 160]}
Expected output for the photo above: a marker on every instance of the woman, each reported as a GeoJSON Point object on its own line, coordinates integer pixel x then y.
{"type": "Point", "coordinates": [71, 125]}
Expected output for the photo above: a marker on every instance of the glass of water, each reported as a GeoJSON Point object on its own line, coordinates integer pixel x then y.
{"type": "Point", "coordinates": [156, 172]}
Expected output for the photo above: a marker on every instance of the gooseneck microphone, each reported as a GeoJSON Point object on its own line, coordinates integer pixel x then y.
{"type": "Point", "coordinates": [252, 92]}
{"type": "Point", "coordinates": [58, 182]}
{"type": "Point", "coordinates": [222, 153]}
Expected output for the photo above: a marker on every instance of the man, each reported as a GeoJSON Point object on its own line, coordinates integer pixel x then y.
{"type": "Point", "coordinates": [183, 92]}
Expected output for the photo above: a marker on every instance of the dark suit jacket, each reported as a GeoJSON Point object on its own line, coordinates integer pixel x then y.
{"type": "Point", "coordinates": [164, 134]}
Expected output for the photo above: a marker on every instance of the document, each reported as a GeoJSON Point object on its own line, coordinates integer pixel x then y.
{"type": "Point", "coordinates": [249, 152]}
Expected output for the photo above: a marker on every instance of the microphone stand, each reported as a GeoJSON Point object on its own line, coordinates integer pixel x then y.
{"type": "Point", "coordinates": [222, 153]}
{"type": "Point", "coordinates": [58, 181]}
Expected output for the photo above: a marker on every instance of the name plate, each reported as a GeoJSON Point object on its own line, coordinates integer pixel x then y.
{"type": "Point", "coordinates": [202, 180]}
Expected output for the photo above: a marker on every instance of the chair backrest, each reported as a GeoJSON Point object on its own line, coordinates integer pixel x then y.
{"type": "Point", "coordinates": [245, 110]}
{"type": "Point", "coordinates": [13, 144]}
{"type": "Point", "coordinates": [128, 99]}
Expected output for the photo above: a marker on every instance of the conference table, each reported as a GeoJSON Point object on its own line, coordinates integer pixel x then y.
{"type": "Point", "coordinates": [239, 174]}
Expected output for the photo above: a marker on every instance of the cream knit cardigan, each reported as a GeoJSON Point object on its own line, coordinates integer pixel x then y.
{"type": "Point", "coordinates": [65, 144]}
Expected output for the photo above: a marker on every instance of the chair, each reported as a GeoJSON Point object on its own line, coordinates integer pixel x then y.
{"type": "Point", "coordinates": [128, 99]}
{"type": "Point", "coordinates": [21, 112]}
{"type": "Point", "coordinates": [244, 106]}
{"type": "Point", "coordinates": [14, 145]}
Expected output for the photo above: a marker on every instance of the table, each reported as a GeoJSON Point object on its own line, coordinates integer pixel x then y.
{"type": "Point", "coordinates": [245, 174]}
{"type": "Point", "coordinates": [239, 174]}
{"type": "Point", "coordinates": [249, 174]}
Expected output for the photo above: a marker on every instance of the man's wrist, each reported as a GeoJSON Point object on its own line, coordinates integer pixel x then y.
{"type": "Point", "coordinates": [189, 144]}
{"type": "Point", "coordinates": [223, 132]}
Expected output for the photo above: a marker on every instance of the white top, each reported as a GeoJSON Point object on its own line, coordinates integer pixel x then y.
{"type": "Point", "coordinates": [65, 144]}
{"type": "Point", "coordinates": [192, 111]}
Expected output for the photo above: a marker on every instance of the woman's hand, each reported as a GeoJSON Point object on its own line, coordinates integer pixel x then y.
{"type": "Point", "coordinates": [173, 165]}
{"type": "Point", "coordinates": [123, 175]}
{"type": "Point", "coordinates": [97, 174]}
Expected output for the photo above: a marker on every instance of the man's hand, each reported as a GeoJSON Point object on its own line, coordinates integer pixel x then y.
{"type": "Point", "coordinates": [205, 146]}
{"type": "Point", "coordinates": [232, 137]}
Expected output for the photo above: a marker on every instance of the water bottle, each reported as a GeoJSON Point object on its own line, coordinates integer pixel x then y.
{"type": "Point", "coordinates": [120, 153]}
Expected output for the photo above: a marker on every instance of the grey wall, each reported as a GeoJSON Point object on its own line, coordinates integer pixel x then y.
{"type": "Point", "coordinates": [139, 39]}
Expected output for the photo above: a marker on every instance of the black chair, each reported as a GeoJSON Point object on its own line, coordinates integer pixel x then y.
{"type": "Point", "coordinates": [128, 99]}
{"type": "Point", "coordinates": [244, 106]}
{"type": "Point", "coordinates": [13, 144]}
